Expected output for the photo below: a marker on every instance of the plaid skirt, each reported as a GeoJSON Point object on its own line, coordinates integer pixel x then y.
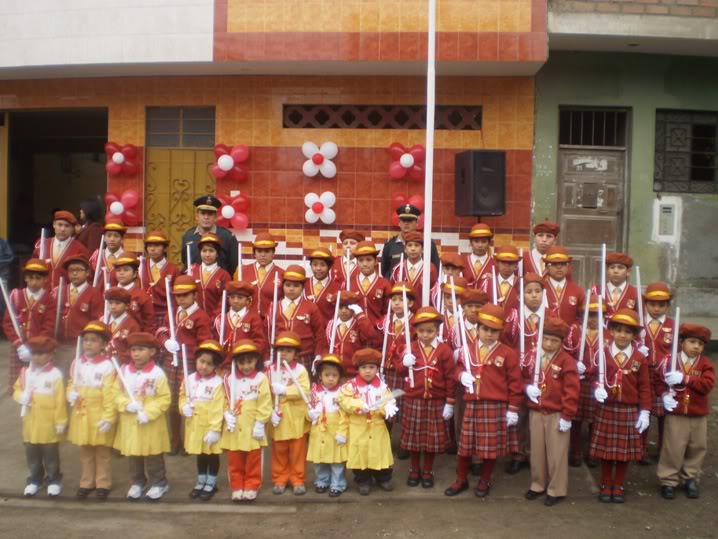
{"type": "Point", "coordinates": [394, 381]}
{"type": "Point", "coordinates": [14, 368]}
{"type": "Point", "coordinates": [657, 409]}
{"type": "Point", "coordinates": [160, 315]}
{"type": "Point", "coordinates": [484, 433]}
{"type": "Point", "coordinates": [586, 402]}
{"type": "Point", "coordinates": [614, 435]}
{"type": "Point", "coordinates": [175, 376]}
{"type": "Point", "coordinates": [422, 425]}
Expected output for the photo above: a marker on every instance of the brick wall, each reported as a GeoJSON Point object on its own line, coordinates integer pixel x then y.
{"type": "Point", "coordinates": [676, 8]}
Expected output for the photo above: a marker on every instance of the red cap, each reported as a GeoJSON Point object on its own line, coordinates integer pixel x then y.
{"type": "Point", "coordinates": [492, 316]}
{"type": "Point", "coordinates": [243, 288]}
{"type": "Point", "coordinates": [626, 317]}
{"type": "Point", "coordinates": [474, 296]}
{"type": "Point", "coordinates": [63, 215]}
{"type": "Point", "coordinates": [99, 327]}
{"type": "Point", "coordinates": [117, 293]}
{"type": "Point", "coordinates": [36, 265]}
{"type": "Point", "coordinates": [351, 235]}
{"type": "Point", "coordinates": [556, 327]}
{"type": "Point", "coordinates": [366, 356]}
{"type": "Point", "coordinates": [365, 248]}
{"type": "Point", "coordinates": [657, 291]}
{"type": "Point", "coordinates": [547, 227]}
{"type": "Point", "coordinates": [460, 286]}
{"type": "Point", "coordinates": [401, 287]}
{"type": "Point", "coordinates": [142, 338]}
{"type": "Point", "coordinates": [184, 284]}
{"type": "Point", "coordinates": [347, 297]}
{"type": "Point", "coordinates": [452, 259]}
{"type": "Point", "coordinates": [426, 314]}
{"type": "Point", "coordinates": [210, 239]}
{"type": "Point", "coordinates": [321, 253]}
{"type": "Point", "coordinates": [531, 277]}
{"type": "Point", "coordinates": [41, 344]}
{"type": "Point", "coordinates": [480, 230]}
{"type": "Point", "coordinates": [295, 273]}
{"type": "Point", "coordinates": [288, 339]}
{"type": "Point", "coordinates": [416, 237]}
{"type": "Point", "coordinates": [619, 258]}
{"type": "Point", "coordinates": [556, 254]}
{"type": "Point", "coordinates": [506, 253]}
{"type": "Point", "coordinates": [264, 240]}
{"type": "Point", "coordinates": [76, 259]}
{"type": "Point", "coordinates": [157, 236]}
{"type": "Point", "coordinates": [696, 331]}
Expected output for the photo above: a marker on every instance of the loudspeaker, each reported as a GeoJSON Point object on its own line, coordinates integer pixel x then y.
{"type": "Point", "coordinates": [480, 187]}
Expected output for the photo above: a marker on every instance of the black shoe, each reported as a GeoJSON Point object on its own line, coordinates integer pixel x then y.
{"type": "Point", "coordinates": [386, 486]}
{"type": "Point", "coordinates": [668, 492]}
{"type": "Point", "coordinates": [482, 489]}
{"type": "Point", "coordinates": [514, 466]}
{"type": "Point", "coordinates": [364, 489]}
{"type": "Point", "coordinates": [619, 495]}
{"type": "Point", "coordinates": [574, 461]}
{"type": "Point", "coordinates": [402, 454]}
{"type": "Point", "coordinates": [645, 461]}
{"type": "Point", "coordinates": [83, 493]}
{"type": "Point", "coordinates": [591, 463]}
{"type": "Point", "coordinates": [427, 480]}
{"type": "Point", "coordinates": [604, 496]}
{"type": "Point", "coordinates": [102, 493]}
{"type": "Point", "coordinates": [335, 493]}
{"type": "Point", "coordinates": [457, 487]}
{"type": "Point", "coordinates": [552, 500]}
{"type": "Point", "coordinates": [413, 479]}
{"type": "Point", "coordinates": [320, 490]}
{"type": "Point", "coordinates": [532, 494]}
{"type": "Point", "coordinates": [206, 495]}
{"type": "Point", "coordinates": [476, 469]}
{"type": "Point", "coordinates": [195, 492]}
{"type": "Point", "coordinates": [691, 488]}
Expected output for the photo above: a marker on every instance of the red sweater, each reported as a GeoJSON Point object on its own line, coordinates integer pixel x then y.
{"type": "Point", "coordinates": [567, 305]}
{"type": "Point", "coordinates": [401, 273]}
{"type": "Point", "coordinates": [359, 334]}
{"type": "Point", "coordinates": [326, 299]}
{"type": "Point", "coordinates": [572, 345]}
{"type": "Point", "coordinates": [500, 376]}
{"type": "Point", "coordinates": [72, 248]}
{"type": "Point", "coordinates": [263, 290]}
{"type": "Point", "coordinates": [434, 375]}
{"type": "Point", "coordinates": [35, 320]}
{"type": "Point", "coordinates": [375, 299]}
{"type": "Point", "coordinates": [629, 384]}
{"type": "Point", "coordinates": [478, 280]}
{"type": "Point", "coordinates": [141, 309]}
{"type": "Point", "coordinates": [209, 292]}
{"type": "Point", "coordinates": [88, 306]}
{"type": "Point", "coordinates": [659, 344]}
{"type": "Point", "coordinates": [307, 322]}
{"type": "Point", "coordinates": [628, 299]}
{"type": "Point", "coordinates": [692, 394]}
{"type": "Point", "coordinates": [191, 331]}
{"type": "Point", "coordinates": [250, 326]}
{"type": "Point", "coordinates": [560, 386]}
{"type": "Point", "coordinates": [338, 271]}
{"type": "Point", "coordinates": [119, 337]}
{"type": "Point", "coordinates": [395, 341]}
{"type": "Point", "coordinates": [156, 290]}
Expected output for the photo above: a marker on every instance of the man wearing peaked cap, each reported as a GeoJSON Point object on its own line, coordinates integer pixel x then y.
{"type": "Point", "coordinates": [59, 248]}
{"type": "Point", "coordinates": [394, 247]}
{"type": "Point", "coordinates": [206, 215]}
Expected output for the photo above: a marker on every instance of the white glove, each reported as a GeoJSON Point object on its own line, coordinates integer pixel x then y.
{"type": "Point", "coordinates": [72, 396]}
{"type": "Point", "coordinates": [448, 412]}
{"type": "Point", "coordinates": [142, 418]}
{"type": "Point", "coordinates": [390, 410]}
{"type": "Point", "coordinates": [581, 368]}
{"type": "Point", "coordinates": [59, 429]}
{"type": "Point", "coordinates": [278, 388]}
{"type": "Point", "coordinates": [212, 437]}
{"type": "Point", "coordinates": [258, 431]}
{"type": "Point", "coordinates": [267, 365]}
{"type": "Point", "coordinates": [563, 425]}
{"type": "Point", "coordinates": [533, 392]}
{"type": "Point", "coordinates": [25, 399]}
{"type": "Point", "coordinates": [669, 403]}
{"type": "Point", "coordinates": [643, 349]}
{"type": "Point", "coordinates": [467, 380]}
{"type": "Point", "coordinates": [314, 414]}
{"type": "Point", "coordinates": [276, 418]}
{"type": "Point", "coordinates": [340, 440]}
{"type": "Point", "coordinates": [355, 309]}
{"type": "Point", "coordinates": [172, 346]}
{"type": "Point", "coordinates": [231, 420]}
{"type": "Point", "coordinates": [23, 352]}
{"type": "Point", "coordinates": [674, 378]}
{"type": "Point", "coordinates": [409, 360]}
{"type": "Point", "coordinates": [104, 426]}
{"type": "Point", "coordinates": [133, 407]}
{"type": "Point", "coordinates": [187, 410]}
{"type": "Point", "coordinates": [512, 419]}
{"type": "Point", "coordinates": [457, 355]}
{"type": "Point", "coordinates": [644, 419]}
{"type": "Point", "coordinates": [600, 394]}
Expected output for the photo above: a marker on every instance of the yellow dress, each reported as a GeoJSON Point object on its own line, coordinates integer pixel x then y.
{"type": "Point", "coordinates": [207, 399]}
{"type": "Point", "coordinates": [294, 422]}
{"type": "Point", "coordinates": [93, 379]}
{"type": "Point", "coordinates": [47, 409]}
{"type": "Point", "coordinates": [323, 448]}
{"type": "Point", "coordinates": [253, 402]}
{"type": "Point", "coordinates": [369, 441]}
{"type": "Point", "coordinates": [149, 387]}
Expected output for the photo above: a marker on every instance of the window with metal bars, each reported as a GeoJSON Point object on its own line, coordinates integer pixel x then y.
{"type": "Point", "coordinates": [604, 128]}
{"type": "Point", "coordinates": [685, 152]}
{"type": "Point", "coordinates": [180, 127]}
{"type": "Point", "coordinates": [447, 117]}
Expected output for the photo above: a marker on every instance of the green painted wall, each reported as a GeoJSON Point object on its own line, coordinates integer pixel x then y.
{"type": "Point", "coordinates": [641, 83]}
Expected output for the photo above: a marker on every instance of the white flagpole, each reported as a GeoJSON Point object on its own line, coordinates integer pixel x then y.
{"type": "Point", "coordinates": [429, 163]}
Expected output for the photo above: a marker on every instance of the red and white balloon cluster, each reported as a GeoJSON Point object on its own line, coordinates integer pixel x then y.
{"type": "Point", "coordinates": [320, 207]}
{"type": "Point", "coordinates": [319, 159]}
{"type": "Point", "coordinates": [407, 161]}
{"type": "Point", "coordinates": [121, 159]}
{"type": "Point", "coordinates": [230, 161]}
{"type": "Point", "coordinates": [233, 212]}
{"type": "Point", "coordinates": [123, 206]}
{"type": "Point", "coordinates": [399, 199]}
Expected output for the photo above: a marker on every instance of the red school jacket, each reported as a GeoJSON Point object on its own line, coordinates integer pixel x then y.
{"type": "Point", "coordinates": [209, 292]}
{"type": "Point", "coordinates": [34, 320]}
{"type": "Point", "coordinates": [141, 308]}
{"type": "Point", "coordinates": [434, 374]}
{"type": "Point", "coordinates": [191, 331]}
{"type": "Point", "coordinates": [72, 248]}
{"type": "Point", "coordinates": [401, 273]}
{"type": "Point", "coordinates": [374, 299]}
{"type": "Point", "coordinates": [560, 386]}
{"type": "Point", "coordinates": [264, 289]}
{"type": "Point", "coordinates": [498, 378]}
{"type": "Point", "coordinates": [478, 280]}
{"type": "Point", "coordinates": [249, 326]}
{"type": "Point", "coordinates": [327, 297]}
{"type": "Point", "coordinates": [359, 334]}
{"type": "Point", "coordinates": [156, 289]}
{"type": "Point", "coordinates": [572, 345]}
{"type": "Point", "coordinates": [692, 394]}
{"type": "Point", "coordinates": [628, 382]}
{"type": "Point", "coordinates": [307, 322]}
{"type": "Point", "coordinates": [88, 306]}
{"type": "Point", "coordinates": [120, 332]}
{"type": "Point", "coordinates": [566, 305]}
{"type": "Point", "coordinates": [628, 299]}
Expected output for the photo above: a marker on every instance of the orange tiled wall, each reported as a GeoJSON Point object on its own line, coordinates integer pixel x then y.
{"type": "Point", "coordinates": [358, 30]}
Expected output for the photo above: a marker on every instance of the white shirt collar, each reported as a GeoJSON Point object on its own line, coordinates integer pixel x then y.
{"type": "Point", "coordinates": [286, 301]}
{"type": "Point", "coordinates": [481, 259]}
{"type": "Point", "coordinates": [324, 282]}
{"type": "Point", "coordinates": [240, 313]}
{"type": "Point", "coordinates": [371, 277]}
{"type": "Point", "coordinates": [189, 310]}
{"type": "Point", "coordinates": [417, 266]}
{"type": "Point", "coordinates": [268, 267]}
{"type": "Point", "coordinates": [628, 350]}
{"type": "Point", "coordinates": [160, 264]}
{"type": "Point", "coordinates": [127, 286]}
{"type": "Point", "coordinates": [119, 319]}
{"type": "Point", "coordinates": [620, 287]}
{"type": "Point", "coordinates": [536, 256]}
{"type": "Point", "coordinates": [81, 287]}
{"type": "Point", "coordinates": [61, 243]}
{"type": "Point", "coordinates": [116, 254]}
{"type": "Point", "coordinates": [34, 295]}
{"type": "Point", "coordinates": [528, 312]}
{"type": "Point", "coordinates": [510, 280]}
{"type": "Point", "coordinates": [434, 343]}
{"type": "Point", "coordinates": [686, 359]}
{"type": "Point", "coordinates": [661, 319]}
{"type": "Point", "coordinates": [491, 347]}
{"type": "Point", "coordinates": [556, 284]}
{"type": "Point", "coordinates": [211, 267]}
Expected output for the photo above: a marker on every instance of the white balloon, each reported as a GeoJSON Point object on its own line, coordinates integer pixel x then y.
{"type": "Point", "coordinates": [310, 216]}
{"type": "Point", "coordinates": [309, 149]}
{"type": "Point", "coordinates": [328, 199]}
{"type": "Point", "coordinates": [328, 216]}
{"type": "Point", "coordinates": [407, 160]}
{"type": "Point", "coordinates": [328, 169]}
{"type": "Point", "coordinates": [116, 208]}
{"type": "Point", "coordinates": [310, 199]}
{"type": "Point", "coordinates": [225, 162]}
{"type": "Point", "coordinates": [227, 211]}
{"type": "Point", "coordinates": [310, 169]}
{"type": "Point", "coordinates": [329, 150]}
{"type": "Point", "coordinates": [118, 158]}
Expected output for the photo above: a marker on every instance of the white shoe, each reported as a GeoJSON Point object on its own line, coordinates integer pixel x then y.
{"type": "Point", "coordinates": [134, 493]}
{"type": "Point", "coordinates": [250, 495]}
{"type": "Point", "coordinates": [31, 490]}
{"type": "Point", "coordinates": [237, 495]}
{"type": "Point", "coordinates": [156, 492]}
{"type": "Point", "coordinates": [54, 490]}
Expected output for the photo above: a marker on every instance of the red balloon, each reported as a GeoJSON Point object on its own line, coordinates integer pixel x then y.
{"type": "Point", "coordinates": [110, 198]}
{"type": "Point", "coordinates": [218, 172]}
{"type": "Point", "coordinates": [113, 169]}
{"type": "Point", "coordinates": [220, 150]}
{"type": "Point", "coordinates": [131, 218]}
{"type": "Point", "coordinates": [240, 153]}
{"type": "Point", "coordinates": [396, 171]}
{"type": "Point", "coordinates": [418, 201]}
{"type": "Point", "coordinates": [395, 219]}
{"type": "Point", "coordinates": [129, 168]}
{"type": "Point", "coordinates": [109, 215]}
{"type": "Point", "coordinates": [111, 148]}
{"type": "Point", "coordinates": [396, 150]}
{"type": "Point", "coordinates": [317, 158]}
{"type": "Point", "coordinates": [418, 152]}
{"type": "Point", "coordinates": [239, 173]}
{"type": "Point", "coordinates": [416, 173]}
{"type": "Point", "coordinates": [317, 207]}
{"type": "Point", "coordinates": [129, 151]}
{"type": "Point", "coordinates": [240, 203]}
{"type": "Point", "coordinates": [240, 221]}
{"type": "Point", "coordinates": [420, 222]}
{"type": "Point", "coordinates": [224, 202]}
{"type": "Point", "coordinates": [129, 199]}
{"type": "Point", "coordinates": [397, 200]}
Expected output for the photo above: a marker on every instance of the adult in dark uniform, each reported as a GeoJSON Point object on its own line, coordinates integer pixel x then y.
{"type": "Point", "coordinates": [206, 214]}
{"type": "Point", "coordinates": [393, 249]}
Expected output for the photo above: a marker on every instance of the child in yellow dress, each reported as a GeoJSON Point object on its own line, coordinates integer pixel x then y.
{"type": "Point", "coordinates": [201, 402]}
{"type": "Point", "coordinates": [328, 437]}
{"type": "Point", "coordinates": [142, 396]}
{"type": "Point", "coordinates": [93, 417]}
{"type": "Point", "coordinates": [41, 393]}
{"type": "Point", "coordinates": [368, 402]}
{"type": "Point", "coordinates": [248, 405]}
{"type": "Point", "coordinates": [289, 422]}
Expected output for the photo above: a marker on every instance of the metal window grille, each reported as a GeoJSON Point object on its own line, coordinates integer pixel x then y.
{"type": "Point", "coordinates": [180, 127]}
{"type": "Point", "coordinates": [603, 128]}
{"type": "Point", "coordinates": [685, 152]}
{"type": "Point", "coordinates": [447, 117]}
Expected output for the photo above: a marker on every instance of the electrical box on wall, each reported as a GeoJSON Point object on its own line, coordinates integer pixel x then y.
{"type": "Point", "coordinates": [666, 219]}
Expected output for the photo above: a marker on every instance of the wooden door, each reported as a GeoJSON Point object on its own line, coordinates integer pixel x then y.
{"type": "Point", "coordinates": [174, 178]}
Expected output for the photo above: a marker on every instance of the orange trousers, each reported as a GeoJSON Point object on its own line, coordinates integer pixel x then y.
{"type": "Point", "coordinates": [244, 469]}
{"type": "Point", "coordinates": [288, 460]}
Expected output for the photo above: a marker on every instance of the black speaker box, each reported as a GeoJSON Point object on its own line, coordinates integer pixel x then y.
{"type": "Point", "coordinates": [480, 187]}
